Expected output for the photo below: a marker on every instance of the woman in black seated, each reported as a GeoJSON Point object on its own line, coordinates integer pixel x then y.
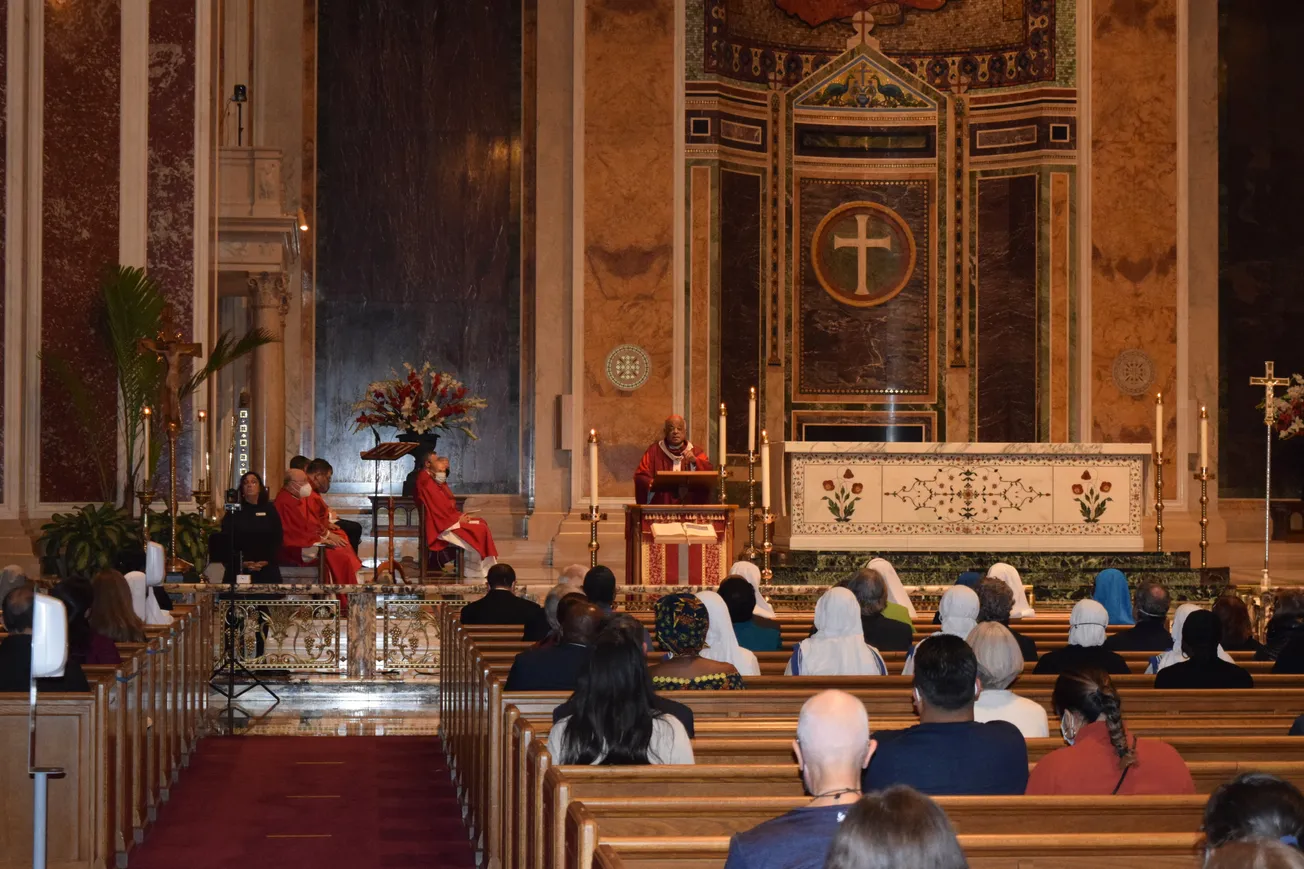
{"type": "Point", "coordinates": [257, 533]}
{"type": "Point", "coordinates": [1237, 632]}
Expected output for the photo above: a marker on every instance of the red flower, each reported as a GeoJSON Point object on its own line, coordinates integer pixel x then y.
{"type": "Point", "coordinates": [1086, 475]}
{"type": "Point", "coordinates": [1106, 486]}
{"type": "Point", "coordinates": [857, 488]}
{"type": "Point", "coordinates": [828, 485]}
{"type": "Point", "coordinates": [1077, 488]}
{"type": "Point", "coordinates": [847, 475]}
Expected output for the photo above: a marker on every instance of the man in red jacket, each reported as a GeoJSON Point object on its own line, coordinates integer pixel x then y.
{"type": "Point", "coordinates": [446, 527]}
{"type": "Point", "coordinates": [300, 531]}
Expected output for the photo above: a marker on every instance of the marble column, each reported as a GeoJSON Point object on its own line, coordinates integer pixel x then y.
{"type": "Point", "coordinates": [270, 302]}
{"type": "Point", "coordinates": [362, 635]}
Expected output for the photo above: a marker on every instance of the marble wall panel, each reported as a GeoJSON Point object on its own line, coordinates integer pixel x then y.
{"type": "Point", "coordinates": [628, 234]}
{"type": "Point", "coordinates": [1133, 212]}
{"type": "Point", "coordinates": [740, 298]}
{"type": "Point", "coordinates": [417, 257]}
{"type": "Point", "coordinates": [1060, 280]}
{"type": "Point", "coordinates": [1260, 306]}
{"type": "Point", "coordinates": [1007, 309]}
{"type": "Point", "coordinates": [4, 137]}
{"type": "Point", "coordinates": [79, 238]}
{"type": "Point", "coordinates": [703, 334]}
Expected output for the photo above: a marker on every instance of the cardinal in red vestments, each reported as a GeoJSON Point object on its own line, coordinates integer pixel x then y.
{"type": "Point", "coordinates": [674, 452]}
{"type": "Point", "coordinates": [446, 527]}
{"type": "Point", "coordinates": [300, 531]}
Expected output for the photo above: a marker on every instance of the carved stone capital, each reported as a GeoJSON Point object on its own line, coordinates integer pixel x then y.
{"type": "Point", "coordinates": [270, 290]}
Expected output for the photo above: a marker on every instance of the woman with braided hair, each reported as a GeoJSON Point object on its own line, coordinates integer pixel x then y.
{"type": "Point", "coordinates": [1101, 758]}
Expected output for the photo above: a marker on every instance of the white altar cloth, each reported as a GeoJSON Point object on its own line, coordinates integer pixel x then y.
{"type": "Point", "coordinates": [962, 496]}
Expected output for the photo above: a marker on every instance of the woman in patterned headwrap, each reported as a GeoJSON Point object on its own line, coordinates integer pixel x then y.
{"type": "Point", "coordinates": [682, 622]}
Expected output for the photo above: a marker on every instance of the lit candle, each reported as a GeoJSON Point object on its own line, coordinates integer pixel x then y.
{"type": "Point", "coordinates": [765, 471]}
{"type": "Point", "coordinates": [1159, 423]}
{"type": "Point", "coordinates": [207, 472]}
{"type": "Point", "coordinates": [593, 468]}
{"type": "Point", "coordinates": [200, 452]}
{"type": "Point", "coordinates": [1204, 436]}
{"type": "Point", "coordinates": [751, 420]}
{"type": "Point", "coordinates": [148, 414]}
{"type": "Point", "coordinates": [722, 456]}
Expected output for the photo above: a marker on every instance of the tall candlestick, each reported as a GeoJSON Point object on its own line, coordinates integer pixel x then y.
{"type": "Point", "coordinates": [593, 469]}
{"type": "Point", "coordinates": [765, 472]}
{"type": "Point", "coordinates": [1159, 423]}
{"type": "Point", "coordinates": [722, 453]}
{"type": "Point", "coordinates": [1204, 436]}
{"type": "Point", "coordinates": [148, 415]}
{"type": "Point", "coordinates": [751, 420]}
{"type": "Point", "coordinates": [200, 452]}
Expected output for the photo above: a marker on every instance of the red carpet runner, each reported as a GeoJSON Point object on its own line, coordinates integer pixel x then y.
{"type": "Point", "coordinates": [327, 802]}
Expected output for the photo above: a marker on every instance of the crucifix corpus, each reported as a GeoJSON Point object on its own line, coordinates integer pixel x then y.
{"type": "Point", "coordinates": [1269, 381]}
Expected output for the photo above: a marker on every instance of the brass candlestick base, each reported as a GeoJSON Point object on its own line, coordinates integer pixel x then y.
{"type": "Point", "coordinates": [594, 518]}
{"type": "Point", "coordinates": [1159, 502]}
{"type": "Point", "coordinates": [767, 534]}
{"type": "Point", "coordinates": [1204, 477]}
{"type": "Point", "coordinates": [201, 499]}
{"type": "Point", "coordinates": [750, 551]}
{"type": "Point", "coordinates": [176, 564]}
{"type": "Point", "coordinates": [724, 479]}
{"type": "Point", "coordinates": [146, 497]}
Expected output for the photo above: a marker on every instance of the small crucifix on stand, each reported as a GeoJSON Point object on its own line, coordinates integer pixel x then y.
{"type": "Point", "coordinates": [170, 351]}
{"type": "Point", "coordinates": [1269, 381]}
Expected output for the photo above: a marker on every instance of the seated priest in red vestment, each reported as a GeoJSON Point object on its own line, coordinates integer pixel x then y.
{"type": "Point", "coordinates": [674, 452]}
{"type": "Point", "coordinates": [300, 532]}
{"type": "Point", "coordinates": [446, 528]}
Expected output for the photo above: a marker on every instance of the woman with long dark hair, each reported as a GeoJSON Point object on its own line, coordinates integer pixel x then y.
{"type": "Point", "coordinates": [895, 828]}
{"type": "Point", "coordinates": [85, 644]}
{"type": "Point", "coordinates": [254, 530]}
{"type": "Point", "coordinates": [613, 720]}
{"type": "Point", "coordinates": [1254, 805]}
{"type": "Point", "coordinates": [1237, 631]}
{"type": "Point", "coordinates": [112, 614]}
{"type": "Point", "coordinates": [1101, 758]}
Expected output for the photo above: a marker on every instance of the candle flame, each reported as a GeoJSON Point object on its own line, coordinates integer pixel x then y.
{"type": "Point", "coordinates": [147, 411]}
{"type": "Point", "coordinates": [753, 391]}
{"type": "Point", "coordinates": [1159, 398]}
{"type": "Point", "coordinates": [722, 410]}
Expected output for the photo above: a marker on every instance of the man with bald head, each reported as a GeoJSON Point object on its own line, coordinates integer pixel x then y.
{"type": "Point", "coordinates": [301, 533]}
{"type": "Point", "coordinates": [557, 668]}
{"type": "Point", "coordinates": [674, 452]}
{"type": "Point", "coordinates": [833, 747]}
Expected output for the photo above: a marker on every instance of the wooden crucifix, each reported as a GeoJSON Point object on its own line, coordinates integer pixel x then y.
{"type": "Point", "coordinates": [170, 350]}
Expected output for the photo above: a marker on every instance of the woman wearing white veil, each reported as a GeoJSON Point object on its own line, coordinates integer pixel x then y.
{"type": "Point", "coordinates": [1007, 574]}
{"type": "Point", "coordinates": [896, 590]}
{"type": "Point", "coordinates": [721, 642]}
{"type": "Point", "coordinates": [838, 647]}
{"type": "Point", "coordinates": [959, 611]}
{"type": "Point", "coordinates": [752, 574]}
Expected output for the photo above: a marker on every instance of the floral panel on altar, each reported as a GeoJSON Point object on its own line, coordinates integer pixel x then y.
{"type": "Point", "coordinates": [946, 496]}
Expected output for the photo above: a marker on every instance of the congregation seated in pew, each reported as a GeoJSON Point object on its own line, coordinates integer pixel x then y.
{"type": "Point", "coordinates": [763, 613]}
{"type": "Point", "coordinates": [899, 605]}
{"type": "Point", "coordinates": [600, 588]}
{"type": "Point", "coordinates": [1000, 663]}
{"type": "Point", "coordinates": [85, 644]}
{"type": "Point", "coordinates": [880, 630]}
{"type": "Point", "coordinates": [721, 642]}
{"type": "Point", "coordinates": [1177, 654]}
{"type": "Point", "coordinates": [558, 667]}
{"type": "Point", "coordinates": [996, 604]}
{"type": "Point", "coordinates": [1149, 633]}
{"type": "Point", "coordinates": [547, 630]}
{"type": "Point", "coordinates": [613, 717]}
{"type": "Point", "coordinates": [1202, 667]}
{"type": "Point", "coordinates": [682, 624]}
{"type": "Point", "coordinates": [1100, 758]}
{"type": "Point", "coordinates": [897, 828]}
{"type": "Point", "coordinates": [1254, 854]}
{"type": "Point", "coordinates": [741, 599]}
{"type": "Point", "coordinates": [16, 649]}
{"type": "Point", "coordinates": [833, 746]}
{"type": "Point", "coordinates": [948, 752]}
{"type": "Point", "coordinates": [1254, 806]}
{"type": "Point", "coordinates": [1286, 624]}
{"type": "Point", "coordinates": [837, 645]}
{"type": "Point", "coordinates": [1237, 630]}
{"type": "Point", "coordinates": [1085, 650]}
{"type": "Point", "coordinates": [958, 613]}
{"type": "Point", "coordinates": [1110, 591]}
{"type": "Point", "coordinates": [112, 613]}
{"type": "Point", "coordinates": [500, 604]}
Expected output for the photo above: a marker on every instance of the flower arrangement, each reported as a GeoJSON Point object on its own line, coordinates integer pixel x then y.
{"type": "Point", "coordinates": [1290, 409]}
{"type": "Point", "coordinates": [419, 402]}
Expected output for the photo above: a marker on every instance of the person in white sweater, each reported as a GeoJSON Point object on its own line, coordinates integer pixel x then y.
{"type": "Point", "coordinates": [999, 663]}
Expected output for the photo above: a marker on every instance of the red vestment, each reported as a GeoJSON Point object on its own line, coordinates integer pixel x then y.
{"type": "Point", "coordinates": [440, 514]}
{"type": "Point", "coordinates": [655, 459]}
{"type": "Point", "coordinates": [300, 531]}
{"type": "Point", "coordinates": [321, 514]}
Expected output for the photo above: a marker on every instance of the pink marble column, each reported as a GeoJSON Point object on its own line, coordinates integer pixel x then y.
{"type": "Point", "coordinates": [270, 301]}
{"type": "Point", "coordinates": [79, 237]}
{"type": "Point", "coordinates": [172, 153]}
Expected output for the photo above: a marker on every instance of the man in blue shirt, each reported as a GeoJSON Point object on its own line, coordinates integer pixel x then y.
{"type": "Point", "coordinates": [832, 748]}
{"type": "Point", "coordinates": [948, 752]}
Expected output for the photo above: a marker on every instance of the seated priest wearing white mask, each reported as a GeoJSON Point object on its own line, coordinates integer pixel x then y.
{"type": "Point", "coordinates": [446, 528]}
{"type": "Point", "coordinates": [674, 452]}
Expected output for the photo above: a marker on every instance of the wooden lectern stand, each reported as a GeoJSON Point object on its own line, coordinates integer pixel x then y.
{"type": "Point", "coordinates": [650, 563]}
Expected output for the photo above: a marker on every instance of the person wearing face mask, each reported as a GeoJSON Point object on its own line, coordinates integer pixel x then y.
{"type": "Point", "coordinates": [948, 752]}
{"type": "Point", "coordinates": [1101, 758]}
{"type": "Point", "coordinates": [446, 529]}
{"type": "Point", "coordinates": [300, 535]}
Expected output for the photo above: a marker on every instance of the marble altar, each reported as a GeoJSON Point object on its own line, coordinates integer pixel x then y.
{"type": "Point", "coordinates": [1086, 497]}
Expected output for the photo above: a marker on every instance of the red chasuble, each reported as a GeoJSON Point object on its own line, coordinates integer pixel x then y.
{"type": "Point", "coordinates": [319, 513]}
{"type": "Point", "coordinates": [656, 458]}
{"type": "Point", "coordinates": [441, 514]}
{"type": "Point", "coordinates": [299, 531]}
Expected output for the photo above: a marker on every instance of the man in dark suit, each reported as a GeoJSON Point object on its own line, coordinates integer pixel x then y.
{"type": "Point", "coordinates": [16, 650]}
{"type": "Point", "coordinates": [1150, 606]}
{"type": "Point", "coordinates": [557, 668]}
{"type": "Point", "coordinates": [501, 606]}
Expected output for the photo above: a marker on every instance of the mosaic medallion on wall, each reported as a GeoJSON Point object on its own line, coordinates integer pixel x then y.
{"type": "Point", "coordinates": [628, 367]}
{"type": "Point", "coordinates": [863, 254]}
{"type": "Point", "coordinates": [1134, 372]}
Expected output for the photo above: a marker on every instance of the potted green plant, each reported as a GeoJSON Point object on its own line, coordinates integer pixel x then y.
{"type": "Point", "coordinates": [193, 530]}
{"type": "Point", "coordinates": [86, 540]}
